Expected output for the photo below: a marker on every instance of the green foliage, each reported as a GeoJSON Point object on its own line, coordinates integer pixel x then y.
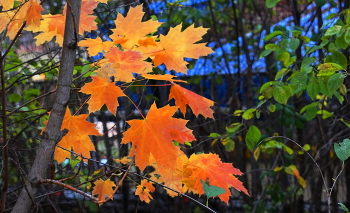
{"type": "Point", "coordinates": [342, 149]}
{"type": "Point", "coordinates": [212, 191]}
{"type": "Point", "coordinates": [252, 137]}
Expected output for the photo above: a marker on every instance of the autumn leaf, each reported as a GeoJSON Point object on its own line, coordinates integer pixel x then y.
{"type": "Point", "coordinates": [77, 137]}
{"type": "Point", "coordinates": [103, 189]}
{"type": "Point", "coordinates": [94, 46]}
{"type": "Point", "coordinates": [125, 63]}
{"type": "Point", "coordinates": [124, 160]}
{"type": "Point", "coordinates": [53, 25]}
{"type": "Point", "coordinates": [143, 191]}
{"type": "Point", "coordinates": [171, 177]}
{"type": "Point", "coordinates": [34, 13]}
{"type": "Point", "coordinates": [155, 135]}
{"type": "Point", "coordinates": [208, 167]}
{"type": "Point", "coordinates": [129, 30]}
{"type": "Point", "coordinates": [165, 77]}
{"type": "Point", "coordinates": [102, 93]}
{"type": "Point", "coordinates": [198, 104]}
{"type": "Point", "coordinates": [6, 4]}
{"type": "Point", "coordinates": [177, 45]}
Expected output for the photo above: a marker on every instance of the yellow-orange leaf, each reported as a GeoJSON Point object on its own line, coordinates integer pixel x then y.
{"type": "Point", "coordinates": [102, 92]}
{"type": "Point", "coordinates": [171, 177]}
{"type": "Point", "coordinates": [77, 137]}
{"type": "Point", "coordinates": [198, 104]}
{"type": "Point", "coordinates": [94, 46]}
{"type": "Point", "coordinates": [177, 45]}
{"type": "Point", "coordinates": [103, 189]}
{"type": "Point", "coordinates": [208, 167]}
{"type": "Point", "coordinates": [129, 30]}
{"type": "Point", "coordinates": [6, 4]}
{"type": "Point", "coordinates": [125, 63]}
{"type": "Point", "coordinates": [124, 160]}
{"type": "Point", "coordinates": [143, 191]}
{"type": "Point", "coordinates": [34, 13]}
{"type": "Point", "coordinates": [165, 77]}
{"type": "Point", "coordinates": [155, 135]}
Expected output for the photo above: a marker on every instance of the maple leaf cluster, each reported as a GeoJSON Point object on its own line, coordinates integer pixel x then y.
{"type": "Point", "coordinates": [134, 51]}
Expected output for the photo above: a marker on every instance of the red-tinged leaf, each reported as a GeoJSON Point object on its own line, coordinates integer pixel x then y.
{"type": "Point", "coordinates": [198, 104]}
{"type": "Point", "coordinates": [171, 177]}
{"type": "Point", "coordinates": [94, 46]}
{"type": "Point", "coordinates": [103, 189]}
{"type": "Point", "coordinates": [77, 138]}
{"type": "Point", "coordinates": [130, 29]}
{"type": "Point", "coordinates": [102, 93]}
{"type": "Point", "coordinates": [177, 45]}
{"type": "Point", "coordinates": [125, 63]}
{"type": "Point", "coordinates": [208, 167]}
{"type": "Point", "coordinates": [143, 191]}
{"type": "Point", "coordinates": [165, 77]}
{"type": "Point", "coordinates": [155, 135]}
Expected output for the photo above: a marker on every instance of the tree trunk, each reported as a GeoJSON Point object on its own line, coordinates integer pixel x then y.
{"type": "Point", "coordinates": [52, 133]}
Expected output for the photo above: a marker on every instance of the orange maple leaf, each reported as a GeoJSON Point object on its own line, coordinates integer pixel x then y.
{"type": "Point", "coordinates": [77, 137]}
{"type": "Point", "coordinates": [6, 4]}
{"type": "Point", "coordinates": [103, 189]}
{"type": "Point", "coordinates": [143, 191]}
{"type": "Point", "coordinates": [155, 135]}
{"type": "Point", "coordinates": [130, 29]}
{"type": "Point", "coordinates": [125, 63]}
{"type": "Point", "coordinates": [34, 13]}
{"type": "Point", "coordinates": [165, 77]}
{"type": "Point", "coordinates": [53, 25]}
{"type": "Point", "coordinates": [171, 177]}
{"type": "Point", "coordinates": [124, 160]}
{"type": "Point", "coordinates": [198, 104]}
{"type": "Point", "coordinates": [208, 167]}
{"type": "Point", "coordinates": [177, 45]}
{"type": "Point", "coordinates": [94, 46]}
{"type": "Point", "coordinates": [102, 92]}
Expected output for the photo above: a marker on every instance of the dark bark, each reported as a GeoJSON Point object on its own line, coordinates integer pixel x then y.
{"type": "Point", "coordinates": [52, 133]}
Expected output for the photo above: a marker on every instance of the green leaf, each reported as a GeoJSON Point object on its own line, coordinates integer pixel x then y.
{"type": "Point", "coordinates": [252, 137]}
{"type": "Point", "coordinates": [294, 43]}
{"type": "Point", "coordinates": [279, 95]}
{"type": "Point", "coordinates": [212, 191]}
{"type": "Point", "coordinates": [313, 89]}
{"type": "Point", "coordinates": [249, 114]}
{"type": "Point", "coordinates": [298, 82]}
{"type": "Point", "coordinates": [265, 53]}
{"type": "Point", "coordinates": [339, 58]}
{"type": "Point", "coordinates": [342, 150]}
{"type": "Point", "coordinates": [333, 30]}
{"type": "Point", "coordinates": [340, 42]}
{"type": "Point", "coordinates": [320, 3]}
{"type": "Point", "coordinates": [347, 36]}
{"type": "Point", "coordinates": [233, 128]}
{"type": "Point", "coordinates": [327, 69]}
{"type": "Point", "coordinates": [325, 114]}
{"type": "Point", "coordinates": [284, 56]}
{"type": "Point", "coordinates": [271, 3]}
{"type": "Point", "coordinates": [272, 108]}
{"type": "Point", "coordinates": [343, 207]}
{"type": "Point", "coordinates": [311, 113]}
{"type": "Point", "coordinates": [335, 81]}
{"type": "Point", "coordinates": [14, 97]}
{"type": "Point", "coordinates": [281, 73]}
{"type": "Point", "coordinates": [272, 35]}
{"type": "Point", "coordinates": [229, 144]}
{"type": "Point", "coordinates": [307, 61]}
{"type": "Point", "coordinates": [214, 135]}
